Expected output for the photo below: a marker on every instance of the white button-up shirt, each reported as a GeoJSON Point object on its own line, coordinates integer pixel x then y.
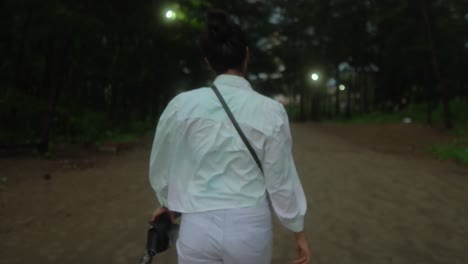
{"type": "Point", "coordinates": [199, 162]}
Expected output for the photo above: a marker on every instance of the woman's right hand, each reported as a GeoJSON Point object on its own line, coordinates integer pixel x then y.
{"type": "Point", "coordinates": [160, 211]}
{"type": "Point", "coordinates": [303, 253]}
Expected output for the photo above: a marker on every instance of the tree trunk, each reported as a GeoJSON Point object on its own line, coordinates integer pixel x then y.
{"type": "Point", "coordinates": [315, 106]}
{"type": "Point", "coordinates": [54, 83]}
{"type": "Point", "coordinates": [365, 94]}
{"type": "Point", "coordinates": [302, 104]}
{"type": "Point", "coordinates": [47, 87]}
{"type": "Point", "coordinates": [20, 61]}
{"type": "Point", "coordinates": [348, 99]}
{"type": "Point", "coordinates": [431, 106]}
{"type": "Point", "coordinates": [337, 103]}
{"type": "Point", "coordinates": [444, 93]}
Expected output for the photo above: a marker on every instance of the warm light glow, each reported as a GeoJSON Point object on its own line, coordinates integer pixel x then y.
{"type": "Point", "coordinates": [170, 14]}
{"type": "Point", "coordinates": [314, 76]}
{"type": "Point", "coordinates": [342, 87]}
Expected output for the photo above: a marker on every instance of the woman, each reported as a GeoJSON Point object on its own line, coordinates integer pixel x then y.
{"type": "Point", "coordinates": [200, 166]}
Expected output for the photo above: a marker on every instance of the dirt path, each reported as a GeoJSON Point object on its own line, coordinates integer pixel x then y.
{"type": "Point", "coordinates": [371, 200]}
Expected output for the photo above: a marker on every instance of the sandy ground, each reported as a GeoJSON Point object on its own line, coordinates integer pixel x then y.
{"type": "Point", "coordinates": [374, 197]}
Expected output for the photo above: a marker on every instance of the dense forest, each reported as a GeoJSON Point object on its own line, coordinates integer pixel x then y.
{"type": "Point", "coordinates": [77, 71]}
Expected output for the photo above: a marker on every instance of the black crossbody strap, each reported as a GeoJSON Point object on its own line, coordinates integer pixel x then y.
{"type": "Point", "coordinates": [236, 125]}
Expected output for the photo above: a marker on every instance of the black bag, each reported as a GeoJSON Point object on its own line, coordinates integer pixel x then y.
{"type": "Point", "coordinates": [158, 237]}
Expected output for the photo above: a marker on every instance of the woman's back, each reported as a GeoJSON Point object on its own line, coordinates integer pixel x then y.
{"type": "Point", "coordinates": [212, 163]}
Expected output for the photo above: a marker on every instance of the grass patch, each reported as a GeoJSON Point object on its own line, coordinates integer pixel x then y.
{"type": "Point", "coordinates": [116, 137]}
{"type": "Point", "coordinates": [417, 113]}
{"type": "Point", "coordinates": [374, 118]}
{"type": "Point", "coordinates": [457, 149]}
{"type": "Point", "coordinates": [451, 151]}
{"type": "Point", "coordinates": [90, 126]}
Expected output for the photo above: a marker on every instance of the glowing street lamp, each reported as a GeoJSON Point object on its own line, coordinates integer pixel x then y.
{"type": "Point", "coordinates": [170, 14]}
{"type": "Point", "coordinates": [342, 87]}
{"type": "Point", "coordinates": [314, 76]}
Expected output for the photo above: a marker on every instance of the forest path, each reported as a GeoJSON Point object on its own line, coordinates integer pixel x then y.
{"type": "Point", "coordinates": [374, 196]}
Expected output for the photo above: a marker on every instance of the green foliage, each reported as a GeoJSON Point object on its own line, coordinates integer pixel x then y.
{"type": "Point", "coordinates": [103, 76]}
{"type": "Point", "coordinates": [21, 117]}
{"type": "Point", "coordinates": [454, 151]}
{"type": "Point", "coordinates": [461, 131]}
{"type": "Point", "coordinates": [117, 137]}
{"type": "Point", "coordinates": [83, 127]}
{"type": "Point", "coordinates": [293, 111]}
{"type": "Point", "coordinates": [372, 118]}
{"type": "Point", "coordinates": [128, 133]}
{"type": "Point", "coordinates": [92, 126]}
{"type": "Point", "coordinates": [458, 109]}
{"type": "Point", "coordinates": [418, 114]}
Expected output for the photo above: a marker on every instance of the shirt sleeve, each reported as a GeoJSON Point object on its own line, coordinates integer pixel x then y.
{"type": "Point", "coordinates": [161, 153]}
{"type": "Point", "coordinates": [282, 181]}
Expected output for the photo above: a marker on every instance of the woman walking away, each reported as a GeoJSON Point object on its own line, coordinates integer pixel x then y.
{"type": "Point", "coordinates": [223, 184]}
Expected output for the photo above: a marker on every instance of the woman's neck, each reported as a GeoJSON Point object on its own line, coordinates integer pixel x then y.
{"type": "Point", "coordinates": [234, 72]}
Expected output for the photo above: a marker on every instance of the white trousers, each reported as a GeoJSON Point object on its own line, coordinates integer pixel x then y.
{"type": "Point", "coordinates": [228, 236]}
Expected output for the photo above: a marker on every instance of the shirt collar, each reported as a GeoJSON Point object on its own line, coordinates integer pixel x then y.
{"type": "Point", "coordinates": [232, 81]}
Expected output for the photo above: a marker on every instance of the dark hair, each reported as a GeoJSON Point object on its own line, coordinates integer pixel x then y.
{"type": "Point", "coordinates": [223, 43]}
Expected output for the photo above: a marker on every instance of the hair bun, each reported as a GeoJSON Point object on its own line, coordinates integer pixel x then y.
{"type": "Point", "coordinates": [219, 25]}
